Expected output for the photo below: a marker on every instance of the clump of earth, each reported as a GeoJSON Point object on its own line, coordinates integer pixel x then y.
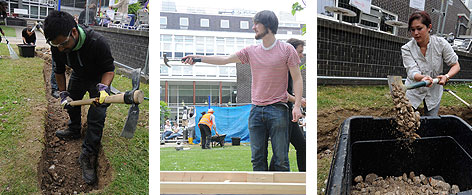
{"type": "Point", "coordinates": [411, 184]}
{"type": "Point", "coordinates": [407, 119]}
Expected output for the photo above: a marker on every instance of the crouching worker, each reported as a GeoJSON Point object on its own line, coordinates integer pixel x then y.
{"type": "Point", "coordinates": [206, 123]}
{"type": "Point", "coordinates": [88, 54]}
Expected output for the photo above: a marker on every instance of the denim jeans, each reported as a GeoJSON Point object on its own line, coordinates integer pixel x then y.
{"type": "Point", "coordinates": [166, 134]}
{"type": "Point", "coordinates": [264, 122]}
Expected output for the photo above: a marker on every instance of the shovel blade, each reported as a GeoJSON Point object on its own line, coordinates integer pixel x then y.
{"type": "Point", "coordinates": [397, 80]}
{"type": "Point", "coordinates": [131, 122]}
{"type": "Point", "coordinates": [136, 76]}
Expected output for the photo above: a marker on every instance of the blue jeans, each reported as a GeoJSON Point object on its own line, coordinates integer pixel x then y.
{"type": "Point", "coordinates": [264, 122]}
{"type": "Point", "coordinates": [166, 134]}
{"type": "Point", "coordinates": [173, 135]}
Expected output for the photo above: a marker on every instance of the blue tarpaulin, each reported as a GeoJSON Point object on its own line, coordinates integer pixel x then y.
{"type": "Point", "coordinates": [232, 121]}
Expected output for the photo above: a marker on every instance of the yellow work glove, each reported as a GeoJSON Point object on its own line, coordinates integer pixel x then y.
{"type": "Point", "coordinates": [103, 90]}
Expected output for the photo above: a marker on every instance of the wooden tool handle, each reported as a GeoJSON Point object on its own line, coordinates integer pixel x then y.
{"type": "Point", "coordinates": [138, 97]}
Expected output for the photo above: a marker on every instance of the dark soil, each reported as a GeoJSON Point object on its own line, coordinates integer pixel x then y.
{"type": "Point", "coordinates": [59, 171]}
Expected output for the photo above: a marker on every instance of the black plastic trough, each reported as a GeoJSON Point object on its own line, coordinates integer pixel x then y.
{"type": "Point", "coordinates": [369, 145]}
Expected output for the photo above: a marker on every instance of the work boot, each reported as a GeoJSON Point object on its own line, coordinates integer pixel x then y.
{"type": "Point", "coordinates": [88, 165]}
{"type": "Point", "coordinates": [208, 141]}
{"type": "Point", "coordinates": [68, 134]}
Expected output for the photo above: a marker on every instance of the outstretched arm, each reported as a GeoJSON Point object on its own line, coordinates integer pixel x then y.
{"type": "Point", "coordinates": [216, 60]}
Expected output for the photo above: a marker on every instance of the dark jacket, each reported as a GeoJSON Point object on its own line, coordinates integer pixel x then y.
{"type": "Point", "coordinates": [90, 61]}
{"type": "Point", "coordinates": [29, 39]}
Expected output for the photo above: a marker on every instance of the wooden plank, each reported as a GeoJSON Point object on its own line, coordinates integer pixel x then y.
{"type": "Point", "coordinates": [231, 188]}
{"type": "Point", "coordinates": [203, 176]}
{"type": "Point", "coordinates": [233, 176]}
{"type": "Point", "coordinates": [267, 177]}
{"type": "Point", "coordinates": [290, 177]}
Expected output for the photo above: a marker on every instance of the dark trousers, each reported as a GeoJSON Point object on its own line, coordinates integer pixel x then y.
{"type": "Point", "coordinates": [95, 117]}
{"type": "Point", "coordinates": [54, 86]}
{"type": "Point", "coordinates": [205, 135]}
{"type": "Point", "coordinates": [297, 139]}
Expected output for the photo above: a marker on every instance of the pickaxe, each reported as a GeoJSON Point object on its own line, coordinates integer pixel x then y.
{"type": "Point", "coordinates": [133, 97]}
{"type": "Point", "coordinates": [182, 60]}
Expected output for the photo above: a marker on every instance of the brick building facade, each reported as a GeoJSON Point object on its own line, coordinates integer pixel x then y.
{"type": "Point", "coordinates": [346, 50]}
{"type": "Point", "coordinates": [128, 47]}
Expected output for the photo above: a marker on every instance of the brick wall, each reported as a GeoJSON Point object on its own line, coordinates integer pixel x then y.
{"type": "Point", "coordinates": [350, 51]}
{"type": "Point", "coordinates": [128, 47]}
{"type": "Point", "coordinates": [244, 81]}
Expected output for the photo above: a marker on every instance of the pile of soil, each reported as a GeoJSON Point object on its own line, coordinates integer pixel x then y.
{"type": "Point", "coordinates": [408, 121]}
{"type": "Point", "coordinates": [59, 171]}
{"type": "Point", "coordinates": [411, 184]}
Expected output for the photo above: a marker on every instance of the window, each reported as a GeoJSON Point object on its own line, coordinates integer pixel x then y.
{"type": "Point", "coordinates": [220, 45]}
{"type": "Point", "coordinates": [166, 42]}
{"type": "Point", "coordinates": [163, 20]}
{"type": "Point", "coordinates": [183, 23]}
{"type": "Point", "coordinates": [204, 22]}
{"type": "Point", "coordinates": [179, 42]}
{"type": "Point", "coordinates": [321, 7]}
{"type": "Point", "coordinates": [224, 24]}
{"type": "Point", "coordinates": [210, 45]}
{"type": "Point", "coordinates": [200, 44]}
{"type": "Point", "coordinates": [189, 44]}
{"type": "Point", "coordinates": [386, 16]}
{"type": "Point", "coordinates": [244, 24]}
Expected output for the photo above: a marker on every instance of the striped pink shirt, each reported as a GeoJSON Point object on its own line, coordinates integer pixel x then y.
{"type": "Point", "coordinates": [269, 68]}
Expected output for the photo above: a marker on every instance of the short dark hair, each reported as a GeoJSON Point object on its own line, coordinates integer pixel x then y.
{"type": "Point", "coordinates": [424, 16]}
{"type": "Point", "coordinates": [295, 42]}
{"type": "Point", "coordinates": [268, 19]}
{"type": "Point", "coordinates": [58, 23]}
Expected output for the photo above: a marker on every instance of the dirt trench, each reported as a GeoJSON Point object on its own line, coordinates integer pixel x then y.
{"type": "Point", "coordinates": [58, 169]}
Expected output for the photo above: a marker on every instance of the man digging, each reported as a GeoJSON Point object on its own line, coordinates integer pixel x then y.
{"type": "Point", "coordinates": [270, 63]}
{"type": "Point", "coordinates": [88, 54]}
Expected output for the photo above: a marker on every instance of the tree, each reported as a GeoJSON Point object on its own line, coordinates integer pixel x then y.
{"type": "Point", "coordinates": [296, 7]}
{"type": "Point", "coordinates": [165, 112]}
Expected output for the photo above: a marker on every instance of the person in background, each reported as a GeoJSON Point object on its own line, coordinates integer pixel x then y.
{"type": "Point", "coordinates": [176, 131]}
{"type": "Point", "coordinates": [28, 35]}
{"type": "Point", "coordinates": [122, 6]}
{"type": "Point", "coordinates": [297, 138]}
{"type": "Point", "coordinates": [206, 123]}
{"type": "Point", "coordinates": [423, 57]}
{"type": "Point", "coordinates": [167, 130]}
{"type": "Point", "coordinates": [191, 125]}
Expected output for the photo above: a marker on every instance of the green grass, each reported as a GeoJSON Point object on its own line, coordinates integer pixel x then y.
{"type": "Point", "coordinates": [323, 173]}
{"type": "Point", "coordinates": [229, 158]}
{"type": "Point", "coordinates": [129, 158]}
{"type": "Point", "coordinates": [21, 123]}
{"type": "Point", "coordinates": [379, 96]}
{"type": "Point", "coordinates": [9, 31]}
{"type": "Point", "coordinates": [22, 132]}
